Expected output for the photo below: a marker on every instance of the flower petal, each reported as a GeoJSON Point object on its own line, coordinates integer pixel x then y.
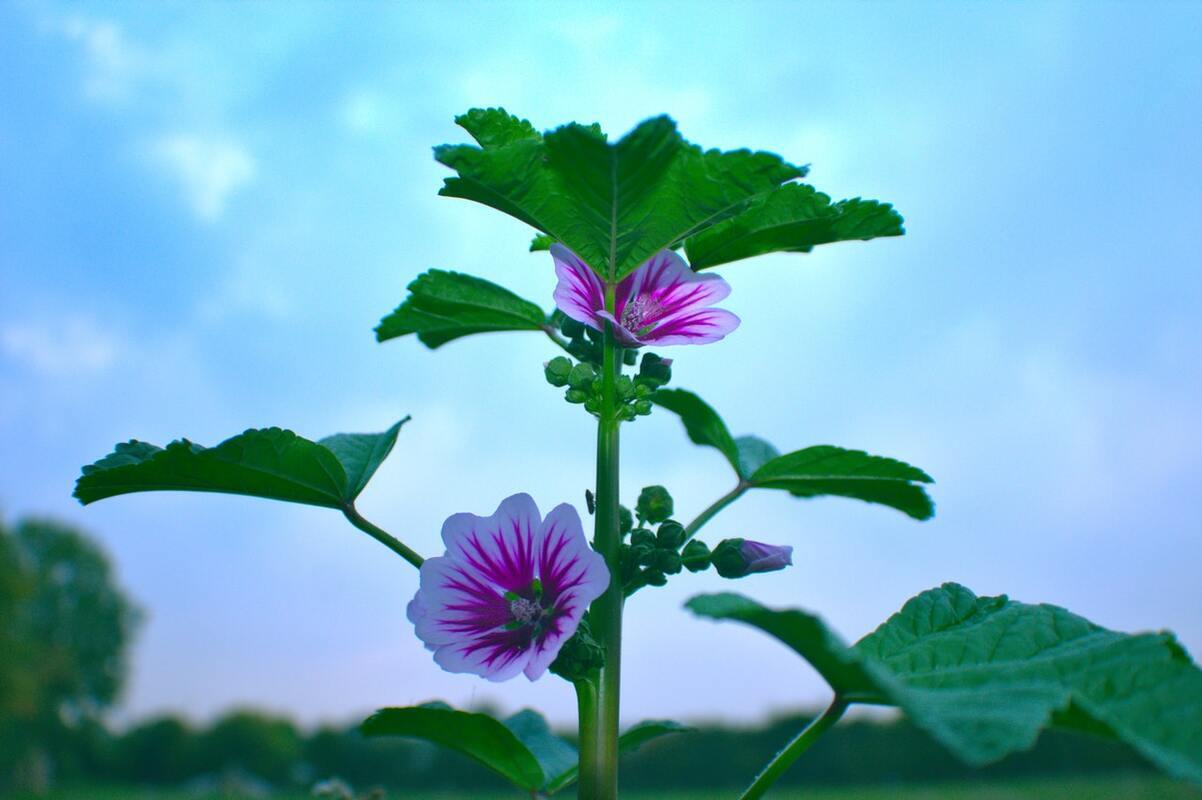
{"type": "Point", "coordinates": [579, 293]}
{"type": "Point", "coordinates": [500, 548]}
{"type": "Point", "coordinates": [671, 286]}
{"type": "Point", "coordinates": [573, 576]}
{"type": "Point", "coordinates": [454, 603]}
{"type": "Point", "coordinates": [624, 336]}
{"type": "Point", "coordinates": [693, 327]}
{"type": "Point", "coordinates": [498, 657]}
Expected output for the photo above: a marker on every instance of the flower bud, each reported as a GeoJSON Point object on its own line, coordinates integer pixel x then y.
{"type": "Point", "coordinates": [624, 388]}
{"type": "Point", "coordinates": [655, 371]}
{"type": "Point", "coordinates": [670, 535]}
{"type": "Point", "coordinates": [556, 370]}
{"type": "Point", "coordinates": [571, 328]}
{"type": "Point", "coordinates": [695, 556]}
{"type": "Point", "coordinates": [653, 577]}
{"type": "Point", "coordinates": [667, 561]}
{"type": "Point", "coordinates": [642, 537]}
{"type": "Point", "coordinates": [642, 407]}
{"type": "Point", "coordinates": [655, 504]}
{"type": "Point", "coordinates": [581, 376]}
{"type": "Point", "coordinates": [736, 558]}
{"type": "Point", "coordinates": [625, 520]}
{"type": "Point", "coordinates": [630, 357]}
{"type": "Point", "coordinates": [575, 396]}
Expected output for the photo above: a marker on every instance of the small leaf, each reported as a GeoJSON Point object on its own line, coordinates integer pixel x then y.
{"type": "Point", "coordinates": [628, 742]}
{"type": "Point", "coordinates": [269, 462]}
{"type": "Point", "coordinates": [555, 756]}
{"type": "Point", "coordinates": [753, 452]}
{"type": "Point", "coordinates": [478, 736]}
{"type": "Point", "coordinates": [794, 218]}
{"type": "Point", "coordinates": [361, 454]}
{"type": "Point", "coordinates": [443, 306]}
{"type": "Point", "coordinates": [701, 422]}
{"type": "Point", "coordinates": [984, 675]}
{"type": "Point", "coordinates": [815, 471]}
{"type": "Point", "coordinates": [541, 242]}
{"type": "Point", "coordinates": [825, 470]}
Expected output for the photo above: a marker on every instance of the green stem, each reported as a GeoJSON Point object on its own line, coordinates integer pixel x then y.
{"type": "Point", "coordinates": [599, 743]}
{"type": "Point", "coordinates": [711, 512]}
{"type": "Point", "coordinates": [382, 536]}
{"type": "Point", "coordinates": [554, 336]}
{"type": "Point", "coordinates": [785, 758]}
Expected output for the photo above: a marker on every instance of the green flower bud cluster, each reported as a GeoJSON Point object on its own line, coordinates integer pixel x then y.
{"type": "Point", "coordinates": [580, 655]}
{"type": "Point", "coordinates": [652, 555]}
{"type": "Point", "coordinates": [582, 383]}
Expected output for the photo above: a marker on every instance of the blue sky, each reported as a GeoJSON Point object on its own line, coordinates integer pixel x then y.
{"type": "Point", "coordinates": [204, 210]}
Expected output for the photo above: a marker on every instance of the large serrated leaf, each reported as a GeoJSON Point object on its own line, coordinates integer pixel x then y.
{"type": "Point", "coordinates": [794, 218]}
{"type": "Point", "coordinates": [614, 204]}
{"type": "Point", "coordinates": [477, 736]}
{"type": "Point", "coordinates": [443, 306]}
{"type": "Point", "coordinates": [269, 462]}
{"type": "Point", "coordinates": [984, 675]}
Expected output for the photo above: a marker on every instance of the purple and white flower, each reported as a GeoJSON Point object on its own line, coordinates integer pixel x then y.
{"type": "Point", "coordinates": [509, 591]}
{"type": "Point", "coordinates": [662, 302]}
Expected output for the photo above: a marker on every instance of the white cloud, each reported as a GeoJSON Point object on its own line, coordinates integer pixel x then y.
{"type": "Point", "coordinates": [113, 64]}
{"type": "Point", "coordinates": [209, 170]}
{"type": "Point", "coordinates": [71, 347]}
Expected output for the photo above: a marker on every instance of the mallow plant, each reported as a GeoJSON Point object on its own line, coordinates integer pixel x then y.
{"type": "Point", "coordinates": [634, 230]}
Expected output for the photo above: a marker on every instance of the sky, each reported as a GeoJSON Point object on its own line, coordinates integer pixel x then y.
{"type": "Point", "coordinates": [206, 208]}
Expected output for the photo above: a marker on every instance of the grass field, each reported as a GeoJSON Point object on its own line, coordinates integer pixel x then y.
{"type": "Point", "coordinates": [1118, 788]}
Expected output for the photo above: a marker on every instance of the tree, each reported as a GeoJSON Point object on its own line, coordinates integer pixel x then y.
{"type": "Point", "coordinates": [65, 628]}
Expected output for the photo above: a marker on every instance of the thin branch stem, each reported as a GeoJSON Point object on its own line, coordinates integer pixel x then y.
{"type": "Point", "coordinates": [711, 512]}
{"type": "Point", "coordinates": [554, 336]}
{"type": "Point", "coordinates": [793, 750]}
{"type": "Point", "coordinates": [382, 536]}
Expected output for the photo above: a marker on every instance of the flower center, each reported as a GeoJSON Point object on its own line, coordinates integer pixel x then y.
{"type": "Point", "coordinates": [637, 311]}
{"type": "Point", "coordinates": [525, 611]}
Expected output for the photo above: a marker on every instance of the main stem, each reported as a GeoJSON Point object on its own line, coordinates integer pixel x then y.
{"type": "Point", "coordinates": [599, 719]}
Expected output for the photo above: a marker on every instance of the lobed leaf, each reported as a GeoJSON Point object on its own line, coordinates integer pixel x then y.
{"type": "Point", "coordinates": [478, 736]}
{"type": "Point", "coordinates": [817, 471]}
{"type": "Point", "coordinates": [443, 306]}
{"type": "Point", "coordinates": [554, 755]}
{"type": "Point", "coordinates": [270, 462]}
{"type": "Point", "coordinates": [824, 470]}
{"type": "Point", "coordinates": [984, 675]}
{"type": "Point", "coordinates": [793, 218]}
{"type": "Point", "coordinates": [615, 205]}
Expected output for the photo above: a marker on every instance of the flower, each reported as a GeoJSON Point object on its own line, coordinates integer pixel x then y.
{"type": "Point", "coordinates": [736, 558]}
{"type": "Point", "coordinates": [509, 591]}
{"type": "Point", "coordinates": [662, 302]}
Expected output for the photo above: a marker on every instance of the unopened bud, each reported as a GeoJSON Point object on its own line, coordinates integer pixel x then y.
{"type": "Point", "coordinates": [556, 370]}
{"type": "Point", "coordinates": [575, 396]}
{"type": "Point", "coordinates": [581, 376]}
{"type": "Point", "coordinates": [655, 504]}
{"type": "Point", "coordinates": [735, 558]}
{"type": "Point", "coordinates": [696, 556]}
{"type": "Point", "coordinates": [667, 561]}
{"type": "Point", "coordinates": [655, 371]}
{"type": "Point", "coordinates": [670, 535]}
{"type": "Point", "coordinates": [625, 519]}
{"type": "Point", "coordinates": [643, 537]}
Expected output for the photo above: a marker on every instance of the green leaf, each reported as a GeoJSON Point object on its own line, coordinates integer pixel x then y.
{"type": "Point", "coordinates": [984, 675]}
{"type": "Point", "coordinates": [825, 470]}
{"type": "Point", "coordinates": [845, 670]}
{"type": "Point", "coordinates": [794, 218]}
{"type": "Point", "coordinates": [494, 127]}
{"type": "Point", "coordinates": [812, 472]}
{"type": "Point", "coordinates": [443, 306]}
{"type": "Point", "coordinates": [701, 423]}
{"type": "Point", "coordinates": [628, 742]}
{"type": "Point", "coordinates": [477, 736]}
{"type": "Point", "coordinates": [541, 242]}
{"type": "Point", "coordinates": [615, 205]}
{"type": "Point", "coordinates": [269, 462]}
{"type": "Point", "coordinates": [753, 452]}
{"type": "Point", "coordinates": [554, 755]}
{"type": "Point", "coordinates": [361, 454]}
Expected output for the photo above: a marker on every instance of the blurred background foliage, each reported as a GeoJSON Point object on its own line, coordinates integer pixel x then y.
{"type": "Point", "coordinates": [65, 631]}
